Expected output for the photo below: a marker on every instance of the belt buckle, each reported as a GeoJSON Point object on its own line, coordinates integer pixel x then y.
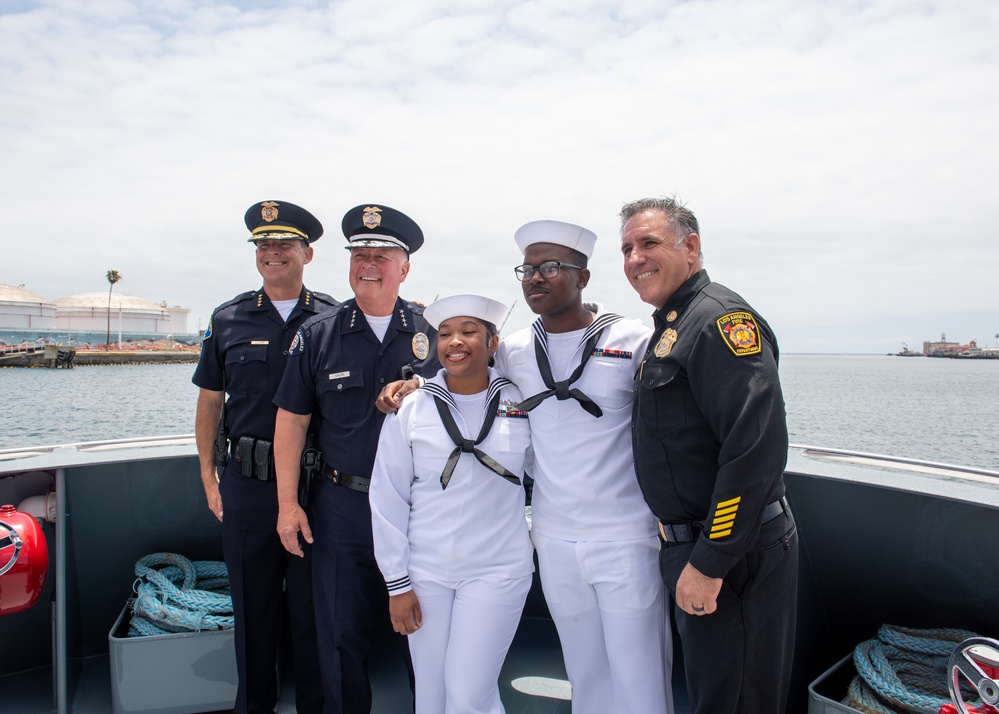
{"type": "Point", "coordinates": [662, 531]}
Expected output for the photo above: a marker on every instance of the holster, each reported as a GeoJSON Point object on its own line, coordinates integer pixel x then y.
{"type": "Point", "coordinates": [311, 472]}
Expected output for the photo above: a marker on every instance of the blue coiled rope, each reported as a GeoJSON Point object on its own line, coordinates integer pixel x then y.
{"type": "Point", "coordinates": [174, 594]}
{"type": "Point", "coordinates": [904, 671]}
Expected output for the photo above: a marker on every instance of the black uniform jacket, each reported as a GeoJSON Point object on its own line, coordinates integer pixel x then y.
{"type": "Point", "coordinates": [710, 434]}
{"type": "Point", "coordinates": [249, 339]}
{"type": "Point", "coordinates": [337, 363]}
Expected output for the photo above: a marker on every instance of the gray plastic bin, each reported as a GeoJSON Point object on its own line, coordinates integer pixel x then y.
{"type": "Point", "coordinates": [826, 693]}
{"type": "Point", "coordinates": [171, 674]}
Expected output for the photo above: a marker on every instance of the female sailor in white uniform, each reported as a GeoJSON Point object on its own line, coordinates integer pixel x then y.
{"type": "Point", "coordinates": [447, 511]}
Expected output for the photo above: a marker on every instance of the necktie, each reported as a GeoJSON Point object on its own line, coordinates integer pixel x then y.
{"type": "Point", "coordinates": [467, 446]}
{"type": "Point", "coordinates": [561, 390]}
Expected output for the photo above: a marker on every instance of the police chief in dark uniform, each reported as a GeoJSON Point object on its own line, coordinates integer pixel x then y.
{"type": "Point", "coordinates": [710, 442]}
{"type": "Point", "coordinates": [339, 362]}
{"type": "Point", "coordinates": [244, 353]}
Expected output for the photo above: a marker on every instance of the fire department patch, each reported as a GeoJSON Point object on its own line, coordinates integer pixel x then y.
{"type": "Point", "coordinates": [421, 345]}
{"type": "Point", "coordinates": [269, 211]}
{"type": "Point", "coordinates": [372, 217]}
{"type": "Point", "coordinates": [740, 333]}
{"type": "Point", "coordinates": [665, 343]}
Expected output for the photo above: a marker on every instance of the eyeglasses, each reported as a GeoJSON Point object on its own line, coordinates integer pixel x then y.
{"type": "Point", "coordinates": [548, 269]}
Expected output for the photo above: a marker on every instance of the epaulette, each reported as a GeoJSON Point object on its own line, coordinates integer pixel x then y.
{"type": "Point", "coordinates": [323, 297]}
{"type": "Point", "coordinates": [236, 300]}
{"type": "Point", "coordinates": [414, 308]}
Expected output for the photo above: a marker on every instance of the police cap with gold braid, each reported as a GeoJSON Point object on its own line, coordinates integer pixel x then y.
{"type": "Point", "coordinates": [371, 225]}
{"type": "Point", "coordinates": [280, 220]}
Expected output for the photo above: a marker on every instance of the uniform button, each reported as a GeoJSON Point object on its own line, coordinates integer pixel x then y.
{"type": "Point", "coordinates": [381, 381]}
{"type": "Point", "coordinates": [339, 387]}
{"type": "Point", "coordinates": [242, 358]}
{"type": "Point", "coordinates": [285, 352]}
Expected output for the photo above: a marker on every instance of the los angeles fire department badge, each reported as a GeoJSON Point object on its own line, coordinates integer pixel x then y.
{"type": "Point", "coordinates": [665, 343]}
{"type": "Point", "coordinates": [740, 332]}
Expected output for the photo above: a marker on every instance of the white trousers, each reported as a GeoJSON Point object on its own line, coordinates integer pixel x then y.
{"type": "Point", "coordinates": [458, 653]}
{"type": "Point", "coordinates": [607, 600]}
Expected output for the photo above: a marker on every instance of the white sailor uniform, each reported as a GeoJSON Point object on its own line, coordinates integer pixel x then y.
{"type": "Point", "coordinates": [596, 538]}
{"type": "Point", "coordinates": [464, 549]}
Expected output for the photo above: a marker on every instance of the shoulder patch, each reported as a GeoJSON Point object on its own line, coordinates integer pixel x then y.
{"type": "Point", "coordinates": [740, 332]}
{"type": "Point", "coordinates": [297, 343]}
{"type": "Point", "coordinates": [208, 331]}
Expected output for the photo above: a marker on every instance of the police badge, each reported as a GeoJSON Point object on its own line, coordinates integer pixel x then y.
{"type": "Point", "coordinates": [372, 218]}
{"type": "Point", "coordinates": [665, 343]}
{"type": "Point", "coordinates": [269, 211]}
{"type": "Point", "coordinates": [421, 346]}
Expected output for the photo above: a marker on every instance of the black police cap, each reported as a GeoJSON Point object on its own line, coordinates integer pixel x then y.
{"type": "Point", "coordinates": [280, 220]}
{"type": "Point", "coordinates": [372, 226]}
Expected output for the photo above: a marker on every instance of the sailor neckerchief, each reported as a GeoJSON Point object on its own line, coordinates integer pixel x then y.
{"type": "Point", "coordinates": [444, 402]}
{"type": "Point", "coordinates": [561, 390]}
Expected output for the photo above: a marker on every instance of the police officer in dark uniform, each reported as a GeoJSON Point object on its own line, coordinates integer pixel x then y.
{"type": "Point", "coordinates": [244, 353]}
{"type": "Point", "coordinates": [339, 362]}
{"type": "Point", "coordinates": [710, 442]}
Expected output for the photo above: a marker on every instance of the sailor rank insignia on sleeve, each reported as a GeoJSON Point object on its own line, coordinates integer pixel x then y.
{"type": "Point", "coordinates": [421, 346]}
{"type": "Point", "coordinates": [740, 332]}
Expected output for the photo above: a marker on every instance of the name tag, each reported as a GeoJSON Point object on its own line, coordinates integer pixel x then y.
{"type": "Point", "coordinates": [260, 342]}
{"type": "Point", "coordinates": [339, 375]}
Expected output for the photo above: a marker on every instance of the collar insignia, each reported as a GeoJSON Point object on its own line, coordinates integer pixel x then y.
{"type": "Point", "coordinates": [665, 343]}
{"type": "Point", "coordinates": [670, 316]}
{"type": "Point", "coordinates": [269, 211]}
{"type": "Point", "coordinates": [740, 332]}
{"type": "Point", "coordinates": [372, 217]}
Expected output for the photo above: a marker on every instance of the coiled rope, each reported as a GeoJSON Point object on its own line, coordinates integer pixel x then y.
{"type": "Point", "coordinates": [904, 671]}
{"type": "Point", "coordinates": [201, 601]}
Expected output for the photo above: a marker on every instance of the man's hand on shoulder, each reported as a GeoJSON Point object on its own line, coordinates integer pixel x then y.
{"type": "Point", "coordinates": [393, 393]}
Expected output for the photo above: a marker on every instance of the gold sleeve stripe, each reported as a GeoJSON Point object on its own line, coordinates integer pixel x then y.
{"type": "Point", "coordinates": [721, 534]}
{"type": "Point", "coordinates": [726, 511]}
{"type": "Point", "coordinates": [730, 502]}
{"type": "Point", "coordinates": [723, 520]}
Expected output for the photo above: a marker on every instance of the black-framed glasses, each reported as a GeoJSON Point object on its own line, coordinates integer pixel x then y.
{"type": "Point", "coordinates": [548, 269]}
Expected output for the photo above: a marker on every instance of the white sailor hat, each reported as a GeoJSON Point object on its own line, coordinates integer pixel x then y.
{"type": "Point", "coordinates": [557, 232]}
{"type": "Point", "coordinates": [476, 306]}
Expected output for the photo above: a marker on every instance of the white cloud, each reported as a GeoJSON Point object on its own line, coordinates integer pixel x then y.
{"type": "Point", "coordinates": [842, 158]}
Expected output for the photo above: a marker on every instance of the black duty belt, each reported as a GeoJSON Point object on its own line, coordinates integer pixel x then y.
{"type": "Point", "coordinates": [355, 483]}
{"type": "Point", "coordinates": [676, 533]}
{"type": "Point", "coordinates": [254, 456]}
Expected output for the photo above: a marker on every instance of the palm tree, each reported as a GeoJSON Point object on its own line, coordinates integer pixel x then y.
{"type": "Point", "coordinates": [113, 277]}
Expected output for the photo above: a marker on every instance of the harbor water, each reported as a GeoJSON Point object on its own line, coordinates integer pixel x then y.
{"type": "Point", "coordinates": [944, 410]}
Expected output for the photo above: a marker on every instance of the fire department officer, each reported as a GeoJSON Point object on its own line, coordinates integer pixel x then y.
{"type": "Point", "coordinates": [710, 442]}
{"type": "Point", "coordinates": [338, 363]}
{"type": "Point", "coordinates": [244, 353]}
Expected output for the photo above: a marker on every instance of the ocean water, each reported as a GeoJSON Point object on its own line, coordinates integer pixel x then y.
{"type": "Point", "coordinates": [935, 409]}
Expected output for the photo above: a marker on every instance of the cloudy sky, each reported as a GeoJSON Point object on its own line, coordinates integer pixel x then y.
{"type": "Point", "coordinates": [842, 157]}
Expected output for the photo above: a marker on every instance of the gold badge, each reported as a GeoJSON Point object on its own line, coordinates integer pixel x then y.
{"type": "Point", "coordinates": [740, 332]}
{"type": "Point", "coordinates": [665, 343]}
{"type": "Point", "coordinates": [421, 346]}
{"type": "Point", "coordinates": [268, 211]}
{"type": "Point", "coordinates": [670, 316]}
{"type": "Point", "coordinates": [372, 218]}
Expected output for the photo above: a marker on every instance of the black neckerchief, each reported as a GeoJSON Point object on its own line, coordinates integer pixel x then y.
{"type": "Point", "coordinates": [561, 390]}
{"type": "Point", "coordinates": [466, 446]}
